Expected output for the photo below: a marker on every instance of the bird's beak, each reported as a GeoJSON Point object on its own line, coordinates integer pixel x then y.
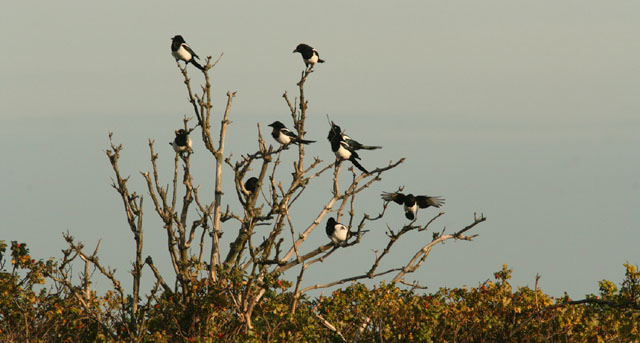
{"type": "Point", "coordinates": [294, 50]}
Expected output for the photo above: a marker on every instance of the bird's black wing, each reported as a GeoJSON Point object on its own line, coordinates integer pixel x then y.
{"type": "Point", "coordinates": [181, 139]}
{"type": "Point", "coordinates": [288, 132]}
{"type": "Point", "coordinates": [354, 154]}
{"type": "Point", "coordinates": [306, 51]}
{"type": "Point", "coordinates": [426, 201]}
{"type": "Point", "coordinates": [398, 198]}
{"type": "Point", "coordinates": [357, 145]}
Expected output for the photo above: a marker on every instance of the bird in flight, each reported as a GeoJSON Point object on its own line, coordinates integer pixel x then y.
{"type": "Point", "coordinates": [285, 136]}
{"type": "Point", "coordinates": [310, 55]}
{"type": "Point", "coordinates": [180, 50]}
{"type": "Point", "coordinates": [411, 202]}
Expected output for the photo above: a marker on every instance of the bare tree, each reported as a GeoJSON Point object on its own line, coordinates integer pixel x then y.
{"type": "Point", "coordinates": [252, 263]}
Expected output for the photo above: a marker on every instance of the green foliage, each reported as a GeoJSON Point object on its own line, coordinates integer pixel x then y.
{"type": "Point", "coordinates": [31, 312]}
{"type": "Point", "coordinates": [491, 312]}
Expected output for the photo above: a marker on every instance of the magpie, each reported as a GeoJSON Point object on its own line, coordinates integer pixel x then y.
{"type": "Point", "coordinates": [337, 232]}
{"type": "Point", "coordinates": [182, 142]}
{"type": "Point", "coordinates": [411, 202]}
{"type": "Point", "coordinates": [251, 185]}
{"type": "Point", "coordinates": [309, 55]}
{"type": "Point", "coordinates": [335, 131]}
{"type": "Point", "coordinates": [180, 50]}
{"type": "Point", "coordinates": [284, 136]}
{"type": "Point", "coordinates": [344, 151]}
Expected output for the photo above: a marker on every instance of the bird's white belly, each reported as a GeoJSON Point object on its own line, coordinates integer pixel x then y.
{"type": "Point", "coordinates": [182, 148]}
{"type": "Point", "coordinates": [341, 233]}
{"type": "Point", "coordinates": [343, 153]}
{"type": "Point", "coordinates": [182, 54]}
{"type": "Point", "coordinates": [313, 59]}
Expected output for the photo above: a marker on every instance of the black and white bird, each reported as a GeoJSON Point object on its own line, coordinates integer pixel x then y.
{"type": "Point", "coordinates": [285, 136]}
{"type": "Point", "coordinates": [309, 55]}
{"type": "Point", "coordinates": [411, 202]}
{"type": "Point", "coordinates": [180, 50]}
{"type": "Point", "coordinates": [344, 151]}
{"type": "Point", "coordinates": [337, 232]}
{"type": "Point", "coordinates": [336, 132]}
{"type": "Point", "coordinates": [182, 142]}
{"type": "Point", "coordinates": [251, 185]}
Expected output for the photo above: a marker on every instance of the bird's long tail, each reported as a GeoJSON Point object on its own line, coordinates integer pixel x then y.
{"type": "Point", "coordinates": [304, 141]}
{"type": "Point", "coordinates": [358, 165]}
{"type": "Point", "coordinates": [370, 147]}
{"type": "Point", "coordinates": [196, 64]}
{"type": "Point", "coordinates": [320, 60]}
{"type": "Point", "coordinates": [355, 233]}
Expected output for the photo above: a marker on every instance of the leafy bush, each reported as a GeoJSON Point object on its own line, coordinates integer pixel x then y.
{"type": "Point", "coordinates": [491, 312]}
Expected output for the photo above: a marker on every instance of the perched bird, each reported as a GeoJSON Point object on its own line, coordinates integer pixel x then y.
{"type": "Point", "coordinates": [344, 151]}
{"type": "Point", "coordinates": [335, 131]}
{"type": "Point", "coordinates": [180, 50]}
{"type": "Point", "coordinates": [337, 232]}
{"type": "Point", "coordinates": [309, 55]}
{"type": "Point", "coordinates": [251, 185]}
{"type": "Point", "coordinates": [411, 202]}
{"type": "Point", "coordinates": [284, 136]}
{"type": "Point", "coordinates": [182, 142]}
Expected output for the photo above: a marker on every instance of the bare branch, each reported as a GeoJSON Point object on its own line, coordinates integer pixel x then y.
{"type": "Point", "coordinates": [149, 261]}
{"type": "Point", "coordinates": [219, 155]}
{"type": "Point", "coordinates": [423, 253]}
{"type": "Point", "coordinates": [329, 326]}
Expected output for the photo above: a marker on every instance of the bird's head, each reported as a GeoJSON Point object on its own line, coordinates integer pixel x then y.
{"type": "Point", "coordinates": [335, 126]}
{"type": "Point", "coordinates": [178, 38]}
{"type": "Point", "coordinates": [335, 132]}
{"type": "Point", "coordinates": [181, 132]}
{"type": "Point", "coordinates": [301, 48]}
{"type": "Point", "coordinates": [276, 125]}
{"type": "Point", "coordinates": [331, 222]}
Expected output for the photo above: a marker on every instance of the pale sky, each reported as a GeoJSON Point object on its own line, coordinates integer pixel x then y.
{"type": "Point", "coordinates": [527, 112]}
